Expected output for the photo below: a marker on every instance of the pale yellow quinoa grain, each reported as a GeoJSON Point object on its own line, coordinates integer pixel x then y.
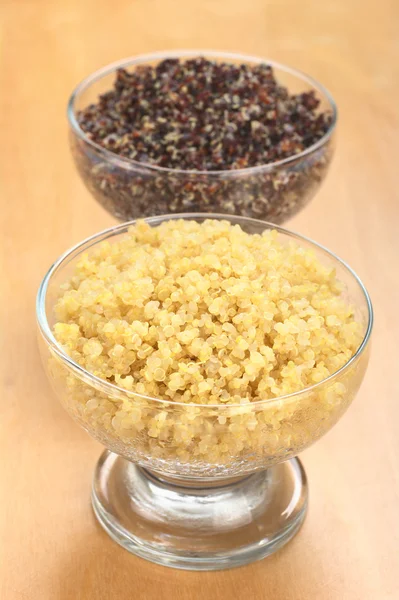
{"type": "Point", "coordinates": [205, 314]}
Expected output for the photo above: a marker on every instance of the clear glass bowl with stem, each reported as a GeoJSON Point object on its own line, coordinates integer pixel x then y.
{"type": "Point", "coordinates": [191, 485]}
{"type": "Point", "coordinates": [129, 189]}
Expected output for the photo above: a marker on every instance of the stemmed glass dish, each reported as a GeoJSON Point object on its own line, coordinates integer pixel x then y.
{"type": "Point", "coordinates": [199, 486]}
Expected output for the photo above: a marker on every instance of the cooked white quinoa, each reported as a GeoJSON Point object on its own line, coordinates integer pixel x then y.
{"type": "Point", "coordinates": [205, 314]}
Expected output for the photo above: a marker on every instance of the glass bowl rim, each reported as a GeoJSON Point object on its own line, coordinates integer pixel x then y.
{"type": "Point", "coordinates": [101, 236]}
{"type": "Point", "coordinates": [128, 163]}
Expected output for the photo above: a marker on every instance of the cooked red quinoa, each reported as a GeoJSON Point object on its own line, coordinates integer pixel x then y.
{"type": "Point", "coordinates": [203, 115]}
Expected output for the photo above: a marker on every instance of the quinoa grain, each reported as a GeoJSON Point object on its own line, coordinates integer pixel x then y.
{"type": "Point", "coordinates": [201, 135]}
{"type": "Point", "coordinates": [276, 324]}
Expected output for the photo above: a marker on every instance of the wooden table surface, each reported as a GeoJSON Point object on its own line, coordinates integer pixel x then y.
{"type": "Point", "coordinates": [51, 546]}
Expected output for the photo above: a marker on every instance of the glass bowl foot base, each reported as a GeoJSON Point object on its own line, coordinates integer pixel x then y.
{"type": "Point", "coordinates": [199, 524]}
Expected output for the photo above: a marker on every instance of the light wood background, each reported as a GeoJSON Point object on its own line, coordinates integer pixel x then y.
{"type": "Point", "coordinates": [51, 546]}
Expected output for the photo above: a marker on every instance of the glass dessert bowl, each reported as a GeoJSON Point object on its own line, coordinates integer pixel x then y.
{"type": "Point", "coordinates": [193, 485]}
{"type": "Point", "coordinates": [131, 189]}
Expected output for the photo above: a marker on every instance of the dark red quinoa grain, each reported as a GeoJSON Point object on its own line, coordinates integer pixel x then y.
{"type": "Point", "coordinates": [201, 115]}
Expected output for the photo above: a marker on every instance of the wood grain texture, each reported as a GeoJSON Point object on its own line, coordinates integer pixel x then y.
{"type": "Point", "coordinates": [51, 546]}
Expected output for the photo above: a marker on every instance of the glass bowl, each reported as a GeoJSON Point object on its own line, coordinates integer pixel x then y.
{"type": "Point", "coordinates": [129, 189]}
{"type": "Point", "coordinates": [199, 486]}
